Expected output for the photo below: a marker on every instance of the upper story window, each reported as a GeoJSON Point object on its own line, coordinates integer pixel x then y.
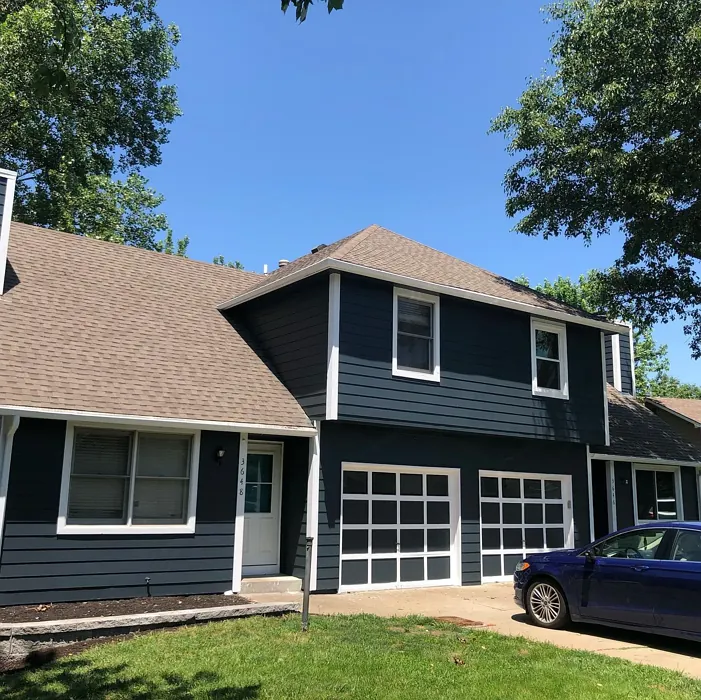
{"type": "Point", "coordinates": [127, 481]}
{"type": "Point", "coordinates": [416, 343]}
{"type": "Point", "coordinates": [549, 358]}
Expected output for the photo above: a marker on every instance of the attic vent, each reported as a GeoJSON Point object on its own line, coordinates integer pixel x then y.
{"type": "Point", "coordinates": [321, 246]}
{"type": "Point", "coordinates": [282, 263]}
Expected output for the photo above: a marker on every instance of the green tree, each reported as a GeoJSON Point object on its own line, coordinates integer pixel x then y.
{"type": "Point", "coordinates": [610, 137]}
{"type": "Point", "coordinates": [85, 98]}
{"type": "Point", "coordinates": [219, 260]}
{"type": "Point", "coordinates": [590, 294]}
{"type": "Point", "coordinates": [302, 7]}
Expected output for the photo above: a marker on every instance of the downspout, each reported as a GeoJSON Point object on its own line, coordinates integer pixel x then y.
{"type": "Point", "coordinates": [7, 434]}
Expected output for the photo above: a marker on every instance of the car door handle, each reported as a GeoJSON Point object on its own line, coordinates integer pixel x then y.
{"type": "Point", "coordinates": [640, 568]}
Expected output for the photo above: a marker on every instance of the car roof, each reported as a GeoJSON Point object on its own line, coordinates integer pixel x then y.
{"type": "Point", "coordinates": [686, 524]}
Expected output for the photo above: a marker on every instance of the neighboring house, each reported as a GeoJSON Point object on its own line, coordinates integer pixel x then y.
{"type": "Point", "coordinates": [684, 415]}
{"type": "Point", "coordinates": [173, 426]}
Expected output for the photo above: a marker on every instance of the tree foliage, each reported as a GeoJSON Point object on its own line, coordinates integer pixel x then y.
{"type": "Point", "coordinates": [219, 260]}
{"type": "Point", "coordinates": [590, 294]}
{"type": "Point", "coordinates": [610, 137]}
{"type": "Point", "coordinates": [85, 98]}
{"type": "Point", "coordinates": [302, 7]}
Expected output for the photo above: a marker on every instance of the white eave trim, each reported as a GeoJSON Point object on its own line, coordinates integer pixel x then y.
{"type": "Point", "coordinates": [646, 460]}
{"type": "Point", "coordinates": [224, 426]}
{"type": "Point", "coordinates": [657, 404]}
{"type": "Point", "coordinates": [404, 281]}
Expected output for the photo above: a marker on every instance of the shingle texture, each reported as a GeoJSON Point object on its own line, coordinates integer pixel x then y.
{"type": "Point", "coordinates": [691, 408]}
{"type": "Point", "coordinates": [380, 249]}
{"type": "Point", "coordinates": [636, 431]}
{"type": "Point", "coordinates": [93, 326]}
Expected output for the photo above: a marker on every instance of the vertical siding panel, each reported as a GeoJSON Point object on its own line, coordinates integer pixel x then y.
{"type": "Point", "coordinates": [624, 494]}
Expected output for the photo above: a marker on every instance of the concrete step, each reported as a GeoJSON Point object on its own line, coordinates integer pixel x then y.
{"type": "Point", "coordinates": [252, 585]}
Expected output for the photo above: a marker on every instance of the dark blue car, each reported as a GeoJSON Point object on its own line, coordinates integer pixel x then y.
{"type": "Point", "coordinates": [646, 577]}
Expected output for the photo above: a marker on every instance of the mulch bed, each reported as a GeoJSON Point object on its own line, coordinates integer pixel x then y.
{"type": "Point", "coordinates": [107, 608]}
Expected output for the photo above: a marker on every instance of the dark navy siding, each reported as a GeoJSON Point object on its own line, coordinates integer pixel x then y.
{"type": "Point", "coordinates": [352, 442]}
{"type": "Point", "coordinates": [625, 515]}
{"type": "Point", "coordinates": [627, 370]}
{"type": "Point", "coordinates": [289, 329]}
{"type": "Point", "coordinates": [690, 493]}
{"type": "Point", "coordinates": [37, 565]}
{"type": "Point", "coordinates": [486, 384]}
{"type": "Point", "coordinates": [3, 190]}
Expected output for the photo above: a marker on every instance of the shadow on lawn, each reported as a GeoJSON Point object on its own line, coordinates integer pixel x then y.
{"type": "Point", "coordinates": [78, 679]}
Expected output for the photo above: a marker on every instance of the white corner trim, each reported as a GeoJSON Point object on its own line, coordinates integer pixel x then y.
{"type": "Point", "coordinates": [560, 329]}
{"type": "Point", "coordinates": [405, 281]}
{"type": "Point", "coordinates": [333, 355]}
{"type": "Point", "coordinates": [8, 428]}
{"type": "Point", "coordinates": [632, 355]}
{"type": "Point", "coordinates": [240, 513]}
{"type": "Point", "coordinates": [153, 422]}
{"type": "Point", "coordinates": [616, 359]}
{"type": "Point", "coordinates": [606, 390]}
{"type": "Point", "coordinates": [313, 500]}
{"type": "Point", "coordinates": [590, 492]}
{"type": "Point", "coordinates": [433, 375]}
{"type": "Point", "coordinates": [64, 528]}
{"type": "Point", "coordinates": [10, 178]}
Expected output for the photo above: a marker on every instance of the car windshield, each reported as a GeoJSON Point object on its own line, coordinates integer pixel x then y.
{"type": "Point", "coordinates": [639, 544]}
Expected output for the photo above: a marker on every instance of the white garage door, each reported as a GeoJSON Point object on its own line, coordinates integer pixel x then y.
{"type": "Point", "coordinates": [399, 527]}
{"type": "Point", "coordinates": [522, 514]}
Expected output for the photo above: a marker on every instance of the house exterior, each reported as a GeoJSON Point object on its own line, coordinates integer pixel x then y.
{"type": "Point", "coordinates": [172, 427]}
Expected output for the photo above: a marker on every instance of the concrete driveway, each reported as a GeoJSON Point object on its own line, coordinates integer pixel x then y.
{"type": "Point", "coordinates": [493, 605]}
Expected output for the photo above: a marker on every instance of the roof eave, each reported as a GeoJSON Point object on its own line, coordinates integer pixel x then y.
{"type": "Point", "coordinates": [362, 270]}
{"type": "Point", "coordinates": [644, 460]}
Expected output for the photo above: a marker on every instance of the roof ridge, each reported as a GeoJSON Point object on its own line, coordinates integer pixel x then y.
{"type": "Point", "coordinates": [354, 240]}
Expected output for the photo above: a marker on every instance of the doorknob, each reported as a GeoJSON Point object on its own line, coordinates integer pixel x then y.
{"type": "Point", "coordinates": [640, 568]}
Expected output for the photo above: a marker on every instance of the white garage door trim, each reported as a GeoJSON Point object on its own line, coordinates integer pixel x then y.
{"type": "Point", "coordinates": [508, 554]}
{"type": "Point", "coordinates": [453, 552]}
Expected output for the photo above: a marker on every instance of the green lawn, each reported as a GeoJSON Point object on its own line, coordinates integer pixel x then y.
{"type": "Point", "coordinates": [343, 657]}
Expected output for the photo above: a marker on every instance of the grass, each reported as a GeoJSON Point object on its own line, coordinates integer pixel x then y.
{"type": "Point", "coordinates": [340, 657]}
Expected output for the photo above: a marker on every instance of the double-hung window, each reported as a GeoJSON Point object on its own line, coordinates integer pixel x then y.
{"type": "Point", "coordinates": [549, 358]}
{"type": "Point", "coordinates": [656, 494]}
{"type": "Point", "coordinates": [416, 343]}
{"type": "Point", "coordinates": [127, 481]}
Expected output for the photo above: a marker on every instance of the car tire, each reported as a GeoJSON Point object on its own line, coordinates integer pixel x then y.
{"type": "Point", "coordinates": [546, 605]}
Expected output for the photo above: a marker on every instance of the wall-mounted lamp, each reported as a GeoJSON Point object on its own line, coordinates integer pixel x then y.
{"type": "Point", "coordinates": [219, 454]}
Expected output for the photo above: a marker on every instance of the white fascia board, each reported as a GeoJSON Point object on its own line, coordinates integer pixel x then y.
{"type": "Point", "coordinates": [115, 418]}
{"type": "Point", "coordinates": [646, 460]}
{"type": "Point", "coordinates": [403, 280]}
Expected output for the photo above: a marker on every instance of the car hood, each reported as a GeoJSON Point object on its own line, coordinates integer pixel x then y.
{"type": "Point", "coordinates": [555, 555]}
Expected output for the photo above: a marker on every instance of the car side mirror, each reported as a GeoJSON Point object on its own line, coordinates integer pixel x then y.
{"type": "Point", "coordinates": [589, 554]}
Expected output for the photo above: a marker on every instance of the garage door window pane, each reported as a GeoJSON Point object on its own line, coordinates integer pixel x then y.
{"type": "Point", "coordinates": [384, 570]}
{"type": "Point", "coordinates": [411, 512]}
{"type": "Point", "coordinates": [554, 513]}
{"type": "Point", "coordinates": [355, 512]}
{"type": "Point", "coordinates": [489, 487]}
{"type": "Point", "coordinates": [491, 538]}
{"type": "Point", "coordinates": [412, 540]}
{"type": "Point", "coordinates": [490, 513]}
{"type": "Point", "coordinates": [384, 483]}
{"type": "Point", "coordinates": [532, 488]}
{"type": "Point", "coordinates": [438, 568]}
{"type": "Point", "coordinates": [438, 512]}
{"type": "Point", "coordinates": [384, 512]}
{"type": "Point", "coordinates": [354, 572]}
{"type": "Point", "coordinates": [535, 538]}
{"type": "Point", "coordinates": [411, 569]}
{"type": "Point", "coordinates": [511, 513]}
{"type": "Point", "coordinates": [513, 538]}
{"type": "Point", "coordinates": [411, 484]}
{"type": "Point", "coordinates": [437, 485]}
{"type": "Point", "coordinates": [355, 542]}
{"type": "Point", "coordinates": [554, 538]}
{"type": "Point", "coordinates": [533, 513]}
{"type": "Point", "coordinates": [553, 490]}
{"type": "Point", "coordinates": [438, 540]}
{"type": "Point", "coordinates": [491, 565]}
{"type": "Point", "coordinates": [384, 541]}
{"type": "Point", "coordinates": [355, 482]}
{"type": "Point", "coordinates": [511, 488]}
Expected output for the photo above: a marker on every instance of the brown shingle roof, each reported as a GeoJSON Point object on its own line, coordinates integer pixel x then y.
{"type": "Point", "coordinates": [687, 408]}
{"type": "Point", "coordinates": [380, 249]}
{"type": "Point", "coordinates": [92, 326]}
{"type": "Point", "coordinates": [635, 431]}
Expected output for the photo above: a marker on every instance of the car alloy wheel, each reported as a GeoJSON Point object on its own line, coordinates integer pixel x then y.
{"type": "Point", "coordinates": [545, 603]}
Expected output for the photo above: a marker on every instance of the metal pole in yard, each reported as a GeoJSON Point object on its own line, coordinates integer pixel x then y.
{"type": "Point", "coordinates": [307, 584]}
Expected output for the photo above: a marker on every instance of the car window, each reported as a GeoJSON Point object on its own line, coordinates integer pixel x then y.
{"type": "Point", "coordinates": [638, 544]}
{"type": "Point", "coordinates": [687, 546]}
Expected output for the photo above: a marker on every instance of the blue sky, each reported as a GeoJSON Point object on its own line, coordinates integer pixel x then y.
{"type": "Point", "coordinates": [295, 135]}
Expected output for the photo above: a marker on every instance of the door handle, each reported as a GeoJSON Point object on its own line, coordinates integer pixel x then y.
{"type": "Point", "coordinates": [640, 568]}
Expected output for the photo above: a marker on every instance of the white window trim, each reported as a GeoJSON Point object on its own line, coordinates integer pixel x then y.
{"type": "Point", "coordinates": [677, 487]}
{"type": "Point", "coordinates": [63, 528]}
{"type": "Point", "coordinates": [435, 374]}
{"type": "Point", "coordinates": [538, 324]}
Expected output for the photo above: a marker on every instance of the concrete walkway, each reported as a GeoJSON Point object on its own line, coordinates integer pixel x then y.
{"type": "Point", "coordinates": [493, 604]}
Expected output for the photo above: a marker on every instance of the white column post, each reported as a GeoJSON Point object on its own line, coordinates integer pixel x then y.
{"type": "Point", "coordinates": [313, 498]}
{"type": "Point", "coordinates": [8, 428]}
{"type": "Point", "coordinates": [240, 513]}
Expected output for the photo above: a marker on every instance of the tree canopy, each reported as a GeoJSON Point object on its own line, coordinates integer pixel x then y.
{"type": "Point", "coordinates": [85, 105]}
{"type": "Point", "coordinates": [652, 366]}
{"type": "Point", "coordinates": [302, 7]}
{"type": "Point", "coordinates": [609, 137]}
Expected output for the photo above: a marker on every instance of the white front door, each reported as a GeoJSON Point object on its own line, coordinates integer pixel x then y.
{"type": "Point", "coordinates": [261, 535]}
